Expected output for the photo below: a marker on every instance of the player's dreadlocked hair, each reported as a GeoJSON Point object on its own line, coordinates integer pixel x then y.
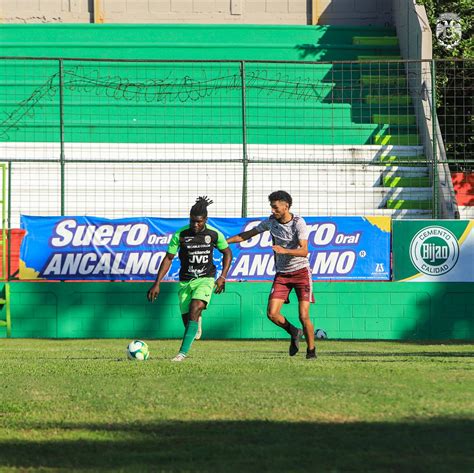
{"type": "Point", "coordinates": [199, 209]}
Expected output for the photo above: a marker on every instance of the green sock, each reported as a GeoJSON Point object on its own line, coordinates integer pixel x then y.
{"type": "Point", "coordinates": [189, 334]}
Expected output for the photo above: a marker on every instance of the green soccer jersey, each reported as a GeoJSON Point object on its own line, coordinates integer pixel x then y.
{"type": "Point", "coordinates": [196, 251]}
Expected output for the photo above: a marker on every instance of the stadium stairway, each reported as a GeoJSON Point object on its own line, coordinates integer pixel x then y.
{"type": "Point", "coordinates": [360, 114]}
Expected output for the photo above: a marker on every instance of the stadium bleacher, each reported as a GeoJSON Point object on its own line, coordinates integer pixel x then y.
{"type": "Point", "coordinates": [352, 122]}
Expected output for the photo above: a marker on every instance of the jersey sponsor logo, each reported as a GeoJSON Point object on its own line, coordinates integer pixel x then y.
{"type": "Point", "coordinates": [196, 272]}
{"type": "Point", "coordinates": [199, 259]}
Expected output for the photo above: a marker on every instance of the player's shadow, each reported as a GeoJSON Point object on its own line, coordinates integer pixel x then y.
{"type": "Point", "coordinates": [119, 310]}
{"type": "Point", "coordinates": [435, 445]}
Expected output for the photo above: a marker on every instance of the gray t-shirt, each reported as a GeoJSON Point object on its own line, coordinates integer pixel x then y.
{"type": "Point", "coordinates": [287, 235]}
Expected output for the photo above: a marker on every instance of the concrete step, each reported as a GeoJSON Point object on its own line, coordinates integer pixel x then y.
{"type": "Point", "coordinates": [466, 212]}
{"type": "Point", "coordinates": [403, 213]}
{"type": "Point", "coordinates": [374, 80]}
{"type": "Point", "coordinates": [142, 154]}
{"type": "Point", "coordinates": [340, 168]}
{"type": "Point", "coordinates": [375, 40]}
{"type": "Point", "coordinates": [403, 100]}
{"type": "Point", "coordinates": [368, 197]}
{"type": "Point", "coordinates": [404, 171]}
{"type": "Point", "coordinates": [398, 181]}
{"type": "Point", "coordinates": [331, 177]}
{"type": "Point", "coordinates": [380, 57]}
{"type": "Point", "coordinates": [353, 204]}
{"type": "Point", "coordinates": [381, 119]}
{"type": "Point", "coordinates": [389, 160]}
{"type": "Point", "coordinates": [409, 204]}
{"type": "Point", "coordinates": [387, 139]}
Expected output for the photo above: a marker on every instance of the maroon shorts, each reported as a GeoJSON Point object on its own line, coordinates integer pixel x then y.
{"type": "Point", "coordinates": [299, 280]}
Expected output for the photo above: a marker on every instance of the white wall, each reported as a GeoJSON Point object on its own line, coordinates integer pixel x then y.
{"type": "Point", "coordinates": [291, 12]}
{"type": "Point", "coordinates": [44, 11]}
{"type": "Point", "coordinates": [157, 11]}
{"type": "Point", "coordinates": [352, 12]}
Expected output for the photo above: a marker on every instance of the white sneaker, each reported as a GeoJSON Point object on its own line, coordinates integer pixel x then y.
{"type": "Point", "coordinates": [199, 332]}
{"type": "Point", "coordinates": [179, 357]}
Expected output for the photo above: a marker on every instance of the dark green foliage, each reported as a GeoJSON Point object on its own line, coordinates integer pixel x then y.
{"type": "Point", "coordinates": [465, 10]}
{"type": "Point", "coordinates": [455, 83]}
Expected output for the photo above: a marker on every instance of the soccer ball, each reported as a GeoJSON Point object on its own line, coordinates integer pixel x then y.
{"type": "Point", "coordinates": [320, 333]}
{"type": "Point", "coordinates": [137, 350]}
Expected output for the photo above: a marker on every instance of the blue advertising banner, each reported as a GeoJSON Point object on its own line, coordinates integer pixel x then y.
{"type": "Point", "coordinates": [93, 248]}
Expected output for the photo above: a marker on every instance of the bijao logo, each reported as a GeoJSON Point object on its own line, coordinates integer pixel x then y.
{"type": "Point", "coordinates": [434, 251]}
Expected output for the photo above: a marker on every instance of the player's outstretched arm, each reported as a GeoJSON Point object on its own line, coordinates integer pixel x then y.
{"type": "Point", "coordinates": [243, 236]}
{"type": "Point", "coordinates": [162, 271]}
{"type": "Point", "coordinates": [227, 259]}
{"type": "Point", "coordinates": [301, 251]}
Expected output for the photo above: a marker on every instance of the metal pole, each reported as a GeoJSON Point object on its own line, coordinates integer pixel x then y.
{"type": "Point", "coordinates": [315, 12]}
{"type": "Point", "coordinates": [244, 141]}
{"type": "Point", "coordinates": [4, 226]}
{"type": "Point", "coordinates": [7, 308]}
{"type": "Point", "coordinates": [435, 212]}
{"type": "Point", "coordinates": [98, 13]}
{"type": "Point", "coordinates": [61, 131]}
{"type": "Point", "coordinates": [9, 215]}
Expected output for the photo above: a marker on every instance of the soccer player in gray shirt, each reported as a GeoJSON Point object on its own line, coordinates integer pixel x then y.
{"type": "Point", "coordinates": [290, 246]}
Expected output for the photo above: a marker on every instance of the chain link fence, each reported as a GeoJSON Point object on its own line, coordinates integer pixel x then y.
{"type": "Point", "coordinates": [116, 138]}
{"type": "Point", "coordinates": [455, 110]}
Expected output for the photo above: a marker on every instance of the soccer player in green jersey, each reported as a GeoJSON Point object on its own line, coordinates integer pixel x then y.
{"type": "Point", "coordinates": [195, 245]}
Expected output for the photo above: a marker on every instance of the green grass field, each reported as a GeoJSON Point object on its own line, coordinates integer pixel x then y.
{"type": "Point", "coordinates": [236, 406]}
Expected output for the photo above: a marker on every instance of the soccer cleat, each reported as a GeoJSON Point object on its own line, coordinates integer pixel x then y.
{"type": "Point", "coordinates": [199, 331]}
{"type": "Point", "coordinates": [311, 354]}
{"type": "Point", "coordinates": [179, 357]}
{"type": "Point", "coordinates": [295, 343]}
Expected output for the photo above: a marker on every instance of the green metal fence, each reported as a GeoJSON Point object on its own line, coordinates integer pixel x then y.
{"type": "Point", "coordinates": [118, 138]}
{"type": "Point", "coordinates": [5, 319]}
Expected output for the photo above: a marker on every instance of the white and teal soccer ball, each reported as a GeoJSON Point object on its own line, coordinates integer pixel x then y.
{"type": "Point", "coordinates": [320, 333]}
{"type": "Point", "coordinates": [138, 351]}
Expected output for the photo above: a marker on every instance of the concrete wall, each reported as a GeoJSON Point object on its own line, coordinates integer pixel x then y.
{"type": "Point", "coordinates": [370, 310]}
{"type": "Point", "coordinates": [299, 12]}
{"type": "Point", "coordinates": [413, 30]}
{"type": "Point", "coordinates": [352, 12]}
{"type": "Point", "coordinates": [45, 11]}
{"type": "Point", "coordinates": [157, 11]}
{"type": "Point", "coordinates": [207, 11]}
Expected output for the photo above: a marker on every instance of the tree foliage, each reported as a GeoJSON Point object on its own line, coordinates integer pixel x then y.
{"type": "Point", "coordinates": [455, 82]}
{"type": "Point", "coordinates": [465, 10]}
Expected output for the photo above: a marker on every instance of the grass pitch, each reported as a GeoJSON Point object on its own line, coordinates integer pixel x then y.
{"type": "Point", "coordinates": [236, 406]}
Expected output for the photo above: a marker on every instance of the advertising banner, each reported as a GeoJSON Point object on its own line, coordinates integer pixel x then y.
{"type": "Point", "coordinates": [433, 250]}
{"type": "Point", "coordinates": [92, 248]}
